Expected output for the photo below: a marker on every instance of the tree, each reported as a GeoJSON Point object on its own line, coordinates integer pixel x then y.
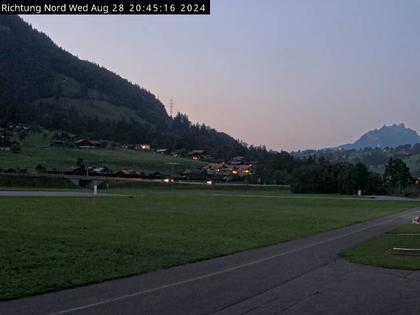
{"type": "Point", "coordinates": [361, 176]}
{"type": "Point", "coordinates": [321, 176]}
{"type": "Point", "coordinates": [58, 92]}
{"type": "Point", "coordinates": [315, 178]}
{"type": "Point", "coordinates": [375, 185]}
{"type": "Point", "coordinates": [41, 169]}
{"type": "Point", "coordinates": [82, 166]}
{"type": "Point", "coordinates": [346, 179]}
{"type": "Point", "coordinates": [397, 175]}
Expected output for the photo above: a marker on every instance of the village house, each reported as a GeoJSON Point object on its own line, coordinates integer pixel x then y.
{"type": "Point", "coordinates": [137, 147]}
{"type": "Point", "coordinates": [58, 143]}
{"type": "Point", "coordinates": [197, 154]}
{"type": "Point", "coordinates": [144, 147]}
{"type": "Point", "coordinates": [7, 145]}
{"type": "Point", "coordinates": [162, 151]}
{"type": "Point", "coordinates": [156, 175]}
{"type": "Point", "coordinates": [242, 170]}
{"type": "Point", "coordinates": [15, 171]}
{"type": "Point", "coordinates": [217, 169]}
{"type": "Point", "coordinates": [99, 170]}
{"type": "Point", "coordinates": [179, 153]}
{"type": "Point", "coordinates": [4, 141]}
{"type": "Point", "coordinates": [22, 127]}
{"type": "Point", "coordinates": [224, 171]}
{"type": "Point", "coordinates": [4, 147]}
{"type": "Point", "coordinates": [87, 144]}
{"type": "Point", "coordinates": [237, 160]}
{"type": "Point", "coordinates": [5, 133]}
{"type": "Point", "coordinates": [128, 173]}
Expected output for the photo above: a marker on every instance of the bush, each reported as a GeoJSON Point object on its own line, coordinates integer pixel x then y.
{"type": "Point", "coordinates": [412, 191]}
{"type": "Point", "coordinates": [34, 182]}
{"type": "Point", "coordinates": [41, 169]}
{"type": "Point", "coordinates": [15, 147]}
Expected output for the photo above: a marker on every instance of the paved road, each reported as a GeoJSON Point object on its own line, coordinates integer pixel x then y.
{"type": "Point", "coordinates": [6, 193]}
{"type": "Point", "coordinates": [304, 276]}
{"type": "Point", "coordinates": [393, 198]}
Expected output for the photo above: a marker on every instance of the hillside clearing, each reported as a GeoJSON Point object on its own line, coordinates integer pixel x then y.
{"type": "Point", "coordinates": [36, 150]}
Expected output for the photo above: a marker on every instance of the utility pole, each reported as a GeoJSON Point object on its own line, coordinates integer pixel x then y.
{"type": "Point", "coordinates": [171, 108]}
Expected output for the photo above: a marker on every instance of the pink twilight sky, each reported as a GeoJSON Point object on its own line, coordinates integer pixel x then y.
{"type": "Point", "coordinates": [288, 74]}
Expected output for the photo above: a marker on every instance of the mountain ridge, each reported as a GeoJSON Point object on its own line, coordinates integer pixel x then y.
{"type": "Point", "coordinates": [387, 136]}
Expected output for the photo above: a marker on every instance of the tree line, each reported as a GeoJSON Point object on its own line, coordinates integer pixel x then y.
{"type": "Point", "coordinates": [318, 175]}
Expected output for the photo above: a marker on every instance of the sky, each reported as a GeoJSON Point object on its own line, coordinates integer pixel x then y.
{"type": "Point", "coordinates": [288, 74]}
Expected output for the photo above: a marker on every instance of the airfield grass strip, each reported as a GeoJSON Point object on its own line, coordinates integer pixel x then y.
{"type": "Point", "coordinates": [55, 243]}
{"type": "Point", "coordinates": [379, 251]}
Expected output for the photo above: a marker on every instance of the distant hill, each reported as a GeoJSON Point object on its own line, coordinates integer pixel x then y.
{"type": "Point", "coordinates": [44, 85]}
{"type": "Point", "coordinates": [375, 148]}
{"type": "Point", "coordinates": [387, 136]}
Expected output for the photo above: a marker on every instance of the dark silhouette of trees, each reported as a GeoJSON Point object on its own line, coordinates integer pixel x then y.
{"type": "Point", "coordinates": [397, 175]}
{"type": "Point", "coordinates": [321, 176]}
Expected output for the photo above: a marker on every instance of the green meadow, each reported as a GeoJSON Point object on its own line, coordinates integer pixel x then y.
{"type": "Point", "coordinates": [55, 243]}
{"type": "Point", "coordinates": [36, 150]}
{"type": "Point", "coordinates": [379, 251]}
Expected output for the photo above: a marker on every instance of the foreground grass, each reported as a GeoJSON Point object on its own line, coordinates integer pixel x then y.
{"type": "Point", "coordinates": [54, 243]}
{"type": "Point", "coordinates": [378, 252]}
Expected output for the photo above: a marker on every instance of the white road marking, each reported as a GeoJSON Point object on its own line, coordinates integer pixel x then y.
{"type": "Point", "coordinates": [406, 234]}
{"type": "Point", "coordinates": [315, 197]}
{"type": "Point", "coordinates": [289, 197]}
{"type": "Point", "coordinates": [223, 271]}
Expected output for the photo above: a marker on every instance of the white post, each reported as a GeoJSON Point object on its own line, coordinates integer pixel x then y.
{"type": "Point", "coordinates": [95, 189]}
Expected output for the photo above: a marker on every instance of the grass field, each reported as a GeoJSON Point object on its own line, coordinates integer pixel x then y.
{"type": "Point", "coordinates": [36, 150]}
{"type": "Point", "coordinates": [54, 243]}
{"type": "Point", "coordinates": [378, 252]}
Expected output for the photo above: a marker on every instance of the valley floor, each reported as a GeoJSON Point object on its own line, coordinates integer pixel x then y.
{"type": "Point", "coordinates": [55, 243]}
{"type": "Point", "coordinates": [304, 276]}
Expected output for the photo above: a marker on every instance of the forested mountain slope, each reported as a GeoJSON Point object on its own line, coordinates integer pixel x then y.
{"type": "Point", "coordinates": [44, 85]}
